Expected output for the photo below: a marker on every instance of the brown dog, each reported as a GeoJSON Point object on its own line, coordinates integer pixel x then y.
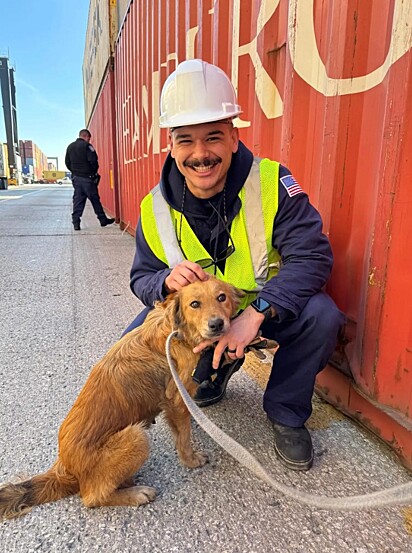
{"type": "Point", "coordinates": [102, 441]}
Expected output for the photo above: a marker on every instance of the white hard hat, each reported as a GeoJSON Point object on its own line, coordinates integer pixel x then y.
{"type": "Point", "coordinates": [197, 92]}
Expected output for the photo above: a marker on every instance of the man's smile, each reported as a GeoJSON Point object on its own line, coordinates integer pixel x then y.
{"type": "Point", "coordinates": [203, 166]}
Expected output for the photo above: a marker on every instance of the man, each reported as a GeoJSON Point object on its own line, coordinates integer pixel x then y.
{"type": "Point", "coordinates": [81, 159]}
{"type": "Point", "coordinates": [219, 210]}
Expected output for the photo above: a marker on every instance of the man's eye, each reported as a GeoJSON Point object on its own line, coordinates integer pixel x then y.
{"type": "Point", "coordinates": [221, 298]}
{"type": "Point", "coordinates": [195, 304]}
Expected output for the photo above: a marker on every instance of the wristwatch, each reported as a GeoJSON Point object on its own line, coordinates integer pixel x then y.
{"type": "Point", "coordinates": [262, 306]}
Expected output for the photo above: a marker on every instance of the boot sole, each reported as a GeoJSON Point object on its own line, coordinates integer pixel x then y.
{"type": "Point", "coordinates": [209, 401]}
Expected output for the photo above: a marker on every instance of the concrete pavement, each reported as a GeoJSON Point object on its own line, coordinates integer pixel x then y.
{"type": "Point", "coordinates": [64, 300]}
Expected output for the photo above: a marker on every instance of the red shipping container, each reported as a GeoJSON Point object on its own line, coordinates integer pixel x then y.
{"type": "Point", "coordinates": [325, 88]}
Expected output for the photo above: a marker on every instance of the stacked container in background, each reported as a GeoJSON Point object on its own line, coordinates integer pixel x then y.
{"type": "Point", "coordinates": [31, 155]}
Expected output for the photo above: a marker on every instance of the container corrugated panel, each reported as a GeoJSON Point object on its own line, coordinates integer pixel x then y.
{"type": "Point", "coordinates": [325, 88]}
{"type": "Point", "coordinates": [27, 147]}
{"type": "Point", "coordinates": [96, 52]}
{"type": "Point", "coordinates": [140, 67]}
{"type": "Point", "coordinates": [101, 128]}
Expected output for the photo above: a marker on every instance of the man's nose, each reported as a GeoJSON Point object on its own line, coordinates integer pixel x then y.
{"type": "Point", "coordinates": [200, 150]}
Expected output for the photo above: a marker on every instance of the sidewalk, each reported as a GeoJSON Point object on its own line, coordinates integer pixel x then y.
{"type": "Point", "coordinates": [64, 301]}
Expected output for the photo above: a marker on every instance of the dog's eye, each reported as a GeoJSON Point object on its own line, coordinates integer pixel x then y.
{"type": "Point", "coordinates": [195, 304]}
{"type": "Point", "coordinates": [221, 298]}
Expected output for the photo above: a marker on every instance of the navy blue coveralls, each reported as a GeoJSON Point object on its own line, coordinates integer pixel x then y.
{"type": "Point", "coordinates": [81, 159]}
{"type": "Point", "coordinates": [307, 320]}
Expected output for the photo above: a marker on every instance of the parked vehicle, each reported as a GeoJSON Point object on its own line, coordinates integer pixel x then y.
{"type": "Point", "coordinates": [64, 180]}
{"type": "Point", "coordinates": [53, 176]}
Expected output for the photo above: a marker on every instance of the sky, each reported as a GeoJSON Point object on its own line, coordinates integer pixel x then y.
{"type": "Point", "coordinates": [44, 41]}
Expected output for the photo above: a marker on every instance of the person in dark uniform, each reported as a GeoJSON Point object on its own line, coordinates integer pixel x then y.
{"type": "Point", "coordinates": [220, 210]}
{"type": "Point", "coordinates": [81, 159]}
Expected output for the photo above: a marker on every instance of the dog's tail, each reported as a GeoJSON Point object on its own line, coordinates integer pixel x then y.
{"type": "Point", "coordinates": [18, 499]}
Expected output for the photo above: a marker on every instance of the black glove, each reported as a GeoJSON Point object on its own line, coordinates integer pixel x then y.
{"type": "Point", "coordinates": [204, 369]}
{"type": "Point", "coordinates": [261, 343]}
{"type": "Point", "coordinates": [96, 179]}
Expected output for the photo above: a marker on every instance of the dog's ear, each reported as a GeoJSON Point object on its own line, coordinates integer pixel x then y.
{"type": "Point", "coordinates": [236, 294]}
{"type": "Point", "coordinates": [168, 301]}
{"type": "Point", "coordinates": [177, 312]}
{"type": "Point", "coordinates": [173, 310]}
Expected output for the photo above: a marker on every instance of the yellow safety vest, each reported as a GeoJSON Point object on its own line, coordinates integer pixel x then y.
{"type": "Point", "coordinates": [254, 261]}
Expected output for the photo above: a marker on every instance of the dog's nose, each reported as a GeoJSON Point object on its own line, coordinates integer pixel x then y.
{"type": "Point", "coordinates": [216, 324]}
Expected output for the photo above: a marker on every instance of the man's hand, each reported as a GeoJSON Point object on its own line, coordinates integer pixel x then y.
{"type": "Point", "coordinates": [243, 330]}
{"type": "Point", "coordinates": [183, 274]}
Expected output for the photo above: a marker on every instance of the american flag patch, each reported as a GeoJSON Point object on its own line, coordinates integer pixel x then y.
{"type": "Point", "coordinates": [291, 185]}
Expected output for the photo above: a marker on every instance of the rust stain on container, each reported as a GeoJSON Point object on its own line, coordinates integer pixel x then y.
{"type": "Point", "coordinates": [371, 278]}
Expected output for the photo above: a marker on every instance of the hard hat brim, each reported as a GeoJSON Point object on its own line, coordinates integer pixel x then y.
{"type": "Point", "coordinates": [182, 121]}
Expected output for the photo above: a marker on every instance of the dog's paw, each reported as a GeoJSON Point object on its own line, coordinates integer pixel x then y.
{"type": "Point", "coordinates": [196, 459]}
{"type": "Point", "coordinates": [143, 494]}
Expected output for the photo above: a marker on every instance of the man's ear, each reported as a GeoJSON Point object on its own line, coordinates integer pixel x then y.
{"type": "Point", "coordinates": [235, 140]}
{"type": "Point", "coordinates": [170, 143]}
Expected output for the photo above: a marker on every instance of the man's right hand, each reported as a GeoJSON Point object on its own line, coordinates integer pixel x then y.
{"type": "Point", "coordinates": [183, 274]}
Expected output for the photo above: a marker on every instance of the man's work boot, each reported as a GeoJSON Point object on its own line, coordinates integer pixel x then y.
{"type": "Point", "coordinates": [293, 446]}
{"type": "Point", "coordinates": [107, 221]}
{"type": "Point", "coordinates": [76, 225]}
{"type": "Point", "coordinates": [212, 391]}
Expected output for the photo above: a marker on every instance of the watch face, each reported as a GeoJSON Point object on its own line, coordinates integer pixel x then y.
{"type": "Point", "coordinates": [261, 305]}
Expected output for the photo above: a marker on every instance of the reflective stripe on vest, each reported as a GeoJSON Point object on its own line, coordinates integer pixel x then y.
{"type": "Point", "coordinates": [254, 260]}
{"type": "Point", "coordinates": [155, 215]}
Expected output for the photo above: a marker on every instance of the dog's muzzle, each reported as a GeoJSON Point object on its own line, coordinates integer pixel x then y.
{"type": "Point", "coordinates": [216, 325]}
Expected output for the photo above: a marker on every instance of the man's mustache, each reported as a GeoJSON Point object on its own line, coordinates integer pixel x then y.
{"type": "Point", "coordinates": [207, 162]}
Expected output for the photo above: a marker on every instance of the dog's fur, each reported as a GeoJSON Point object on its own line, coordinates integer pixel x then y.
{"type": "Point", "coordinates": [102, 441]}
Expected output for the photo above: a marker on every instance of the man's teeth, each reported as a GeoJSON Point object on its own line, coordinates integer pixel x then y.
{"type": "Point", "coordinates": [203, 168]}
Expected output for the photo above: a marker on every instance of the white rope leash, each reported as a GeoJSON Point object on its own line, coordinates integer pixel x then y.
{"type": "Point", "coordinates": [398, 495]}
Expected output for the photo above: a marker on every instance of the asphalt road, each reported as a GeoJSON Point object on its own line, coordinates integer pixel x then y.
{"type": "Point", "coordinates": [64, 300]}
